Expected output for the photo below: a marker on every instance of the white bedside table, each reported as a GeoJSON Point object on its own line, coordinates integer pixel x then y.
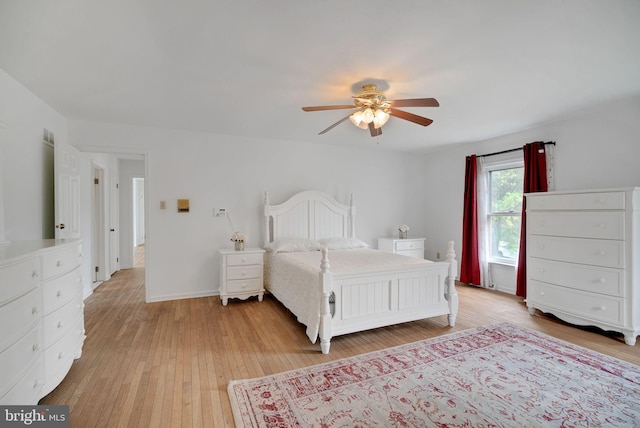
{"type": "Point", "coordinates": [413, 247]}
{"type": "Point", "coordinates": [241, 274]}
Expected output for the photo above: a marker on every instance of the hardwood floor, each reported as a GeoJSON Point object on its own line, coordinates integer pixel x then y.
{"type": "Point", "coordinates": [169, 363]}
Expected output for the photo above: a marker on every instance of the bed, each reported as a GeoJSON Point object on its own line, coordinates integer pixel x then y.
{"type": "Point", "coordinates": [335, 284]}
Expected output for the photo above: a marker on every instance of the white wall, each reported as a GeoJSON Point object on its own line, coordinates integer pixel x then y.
{"type": "Point", "coordinates": [596, 148]}
{"type": "Point", "coordinates": [23, 117]}
{"type": "Point", "coordinates": [218, 171]}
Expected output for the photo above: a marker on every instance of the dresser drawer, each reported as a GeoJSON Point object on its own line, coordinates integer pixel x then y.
{"type": "Point", "coordinates": [60, 354]}
{"type": "Point", "coordinates": [597, 252]}
{"type": "Point", "coordinates": [244, 259]}
{"type": "Point", "coordinates": [15, 359]}
{"type": "Point", "coordinates": [57, 292]}
{"type": "Point", "coordinates": [59, 262]}
{"type": "Point", "coordinates": [58, 323]}
{"type": "Point", "coordinates": [577, 201]}
{"type": "Point", "coordinates": [593, 224]}
{"type": "Point", "coordinates": [581, 277]}
{"type": "Point", "coordinates": [20, 316]}
{"type": "Point", "coordinates": [588, 305]}
{"type": "Point", "coordinates": [246, 285]}
{"type": "Point", "coordinates": [409, 245]}
{"type": "Point", "coordinates": [244, 272]}
{"type": "Point", "coordinates": [18, 278]}
{"type": "Point", "coordinates": [27, 390]}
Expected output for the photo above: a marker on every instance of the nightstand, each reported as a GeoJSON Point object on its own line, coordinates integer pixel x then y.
{"type": "Point", "coordinates": [413, 247]}
{"type": "Point", "coordinates": [241, 274]}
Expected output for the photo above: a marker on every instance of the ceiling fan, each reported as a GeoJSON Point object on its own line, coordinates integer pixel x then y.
{"type": "Point", "coordinates": [373, 110]}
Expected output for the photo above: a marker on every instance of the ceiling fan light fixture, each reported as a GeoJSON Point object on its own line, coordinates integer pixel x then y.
{"type": "Point", "coordinates": [380, 118]}
{"type": "Point", "coordinates": [373, 110]}
{"type": "Point", "coordinates": [357, 119]}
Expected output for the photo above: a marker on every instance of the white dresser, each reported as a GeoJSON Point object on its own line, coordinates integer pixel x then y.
{"type": "Point", "coordinates": [241, 274]}
{"type": "Point", "coordinates": [583, 258]}
{"type": "Point", "coordinates": [41, 312]}
{"type": "Point", "coordinates": [412, 247]}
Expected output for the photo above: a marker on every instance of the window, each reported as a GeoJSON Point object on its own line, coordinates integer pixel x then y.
{"type": "Point", "coordinates": [504, 211]}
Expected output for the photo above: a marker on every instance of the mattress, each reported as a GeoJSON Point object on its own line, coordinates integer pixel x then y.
{"type": "Point", "coordinates": [293, 278]}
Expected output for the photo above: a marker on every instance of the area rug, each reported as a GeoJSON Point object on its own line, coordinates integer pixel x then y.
{"type": "Point", "coordinates": [501, 375]}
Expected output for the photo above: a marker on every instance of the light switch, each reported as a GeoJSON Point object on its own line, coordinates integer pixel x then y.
{"type": "Point", "coordinates": [183, 205]}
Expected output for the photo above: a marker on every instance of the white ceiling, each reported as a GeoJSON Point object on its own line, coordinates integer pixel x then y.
{"type": "Point", "coordinates": [246, 67]}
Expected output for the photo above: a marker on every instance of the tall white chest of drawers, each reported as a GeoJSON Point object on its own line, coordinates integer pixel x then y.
{"type": "Point", "coordinates": [583, 257]}
{"type": "Point", "coordinates": [41, 315]}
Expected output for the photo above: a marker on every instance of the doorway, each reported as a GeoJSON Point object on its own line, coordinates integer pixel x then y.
{"type": "Point", "coordinates": [139, 233]}
{"type": "Point", "coordinates": [98, 241]}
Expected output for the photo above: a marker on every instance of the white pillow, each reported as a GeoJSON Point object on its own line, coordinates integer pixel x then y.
{"type": "Point", "coordinates": [342, 243]}
{"type": "Point", "coordinates": [292, 245]}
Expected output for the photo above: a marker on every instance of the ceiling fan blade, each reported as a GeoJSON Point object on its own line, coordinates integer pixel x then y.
{"type": "Point", "coordinates": [337, 107]}
{"type": "Point", "coordinates": [334, 125]}
{"type": "Point", "coordinates": [374, 132]}
{"type": "Point", "coordinates": [411, 117]}
{"type": "Point", "coordinates": [415, 102]}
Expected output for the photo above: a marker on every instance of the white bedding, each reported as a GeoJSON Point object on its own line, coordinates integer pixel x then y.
{"type": "Point", "coordinates": [293, 277]}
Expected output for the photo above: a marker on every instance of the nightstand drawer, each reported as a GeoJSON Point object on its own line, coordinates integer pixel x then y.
{"type": "Point", "coordinates": [244, 272]}
{"type": "Point", "coordinates": [242, 286]}
{"type": "Point", "coordinates": [409, 245]}
{"type": "Point", "coordinates": [244, 259]}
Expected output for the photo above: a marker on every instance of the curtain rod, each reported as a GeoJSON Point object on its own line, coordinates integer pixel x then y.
{"type": "Point", "coordinates": [512, 150]}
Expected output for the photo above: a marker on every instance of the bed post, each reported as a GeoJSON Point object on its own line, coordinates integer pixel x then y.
{"type": "Point", "coordinates": [325, 309]}
{"type": "Point", "coordinates": [451, 294]}
{"type": "Point", "coordinates": [267, 214]}
{"type": "Point", "coordinates": [352, 218]}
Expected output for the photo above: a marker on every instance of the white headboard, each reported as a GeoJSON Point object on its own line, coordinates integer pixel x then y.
{"type": "Point", "coordinates": [309, 214]}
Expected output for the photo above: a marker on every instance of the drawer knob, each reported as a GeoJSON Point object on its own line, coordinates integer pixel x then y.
{"type": "Point", "coordinates": [34, 274]}
{"type": "Point", "coordinates": [601, 308]}
{"type": "Point", "coordinates": [59, 293]}
{"type": "Point", "coordinates": [603, 253]}
{"type": "Point", "coordinates": [603, 280]}
{"type": "Point", "coordinates": [542, 293]}
{"type": "Point", "coordinates": [60, 324]}
{"type": "Point", "coordinates": [60, 356]}
{"type": "Point", "coordinates": [34, 310]}
{"type": "Point", "coordinates": [34, 348]}
{"type": "Point", "coordinates": [58, 263]}
{"type": "Point", "coordinates": [541, 222]}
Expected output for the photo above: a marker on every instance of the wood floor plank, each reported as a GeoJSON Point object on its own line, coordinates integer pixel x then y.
{"type": "Point", "coordinates": [169, 363]}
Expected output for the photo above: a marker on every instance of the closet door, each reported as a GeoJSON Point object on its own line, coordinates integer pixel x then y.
{"type": "Point", "coordinates": [67, 191]}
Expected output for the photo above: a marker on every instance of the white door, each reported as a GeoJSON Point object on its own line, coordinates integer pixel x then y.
{"type": "Point", "coordinates": [67, 191]}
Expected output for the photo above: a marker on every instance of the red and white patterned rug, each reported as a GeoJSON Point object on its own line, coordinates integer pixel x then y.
{"type": "Point", "coordinates": [496, 376]}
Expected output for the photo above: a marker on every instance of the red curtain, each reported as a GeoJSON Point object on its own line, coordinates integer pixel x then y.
{"type": "Point", "coordinates": [469, 262]}
{"type": "Point", "coordinates": [535, 180]}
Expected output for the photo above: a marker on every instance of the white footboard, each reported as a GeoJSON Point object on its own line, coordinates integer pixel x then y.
{"type": "Point", "coordinates": [386, 298]}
